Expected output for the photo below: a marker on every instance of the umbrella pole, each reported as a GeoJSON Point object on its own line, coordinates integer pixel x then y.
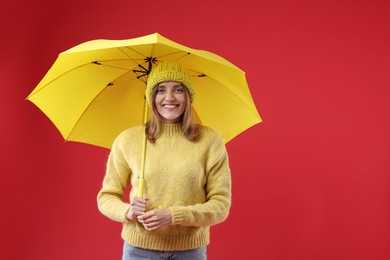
{"type": "Point", "coordinates": [141, 190]}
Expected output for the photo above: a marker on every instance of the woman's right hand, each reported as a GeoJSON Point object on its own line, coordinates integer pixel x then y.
{"type": "Point", "coordinates": [137, 208]}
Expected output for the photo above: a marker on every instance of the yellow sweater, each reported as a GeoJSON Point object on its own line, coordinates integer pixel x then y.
{"type": "Point", "coordinates": [192, 179]}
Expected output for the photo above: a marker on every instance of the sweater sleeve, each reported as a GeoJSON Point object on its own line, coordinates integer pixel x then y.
{"type": "Point", "coordinates": [218, 193]}
{"type": "Point", "coordinates": [110, 197]}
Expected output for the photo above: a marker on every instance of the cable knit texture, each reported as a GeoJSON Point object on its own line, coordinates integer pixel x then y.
{"type": "Point", "coordinates": [192, 179]}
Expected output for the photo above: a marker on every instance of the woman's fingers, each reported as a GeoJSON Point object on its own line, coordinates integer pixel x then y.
{"type": "Point", "coordinates": [156, 219]}
{"type": "Point", "coordinates": [137, 207]}
{"type": "Point", "coordinates": [138, 201]}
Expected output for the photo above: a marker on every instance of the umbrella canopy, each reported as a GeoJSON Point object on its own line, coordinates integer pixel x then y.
{"type": "Point", "coordinates": [96, 89]}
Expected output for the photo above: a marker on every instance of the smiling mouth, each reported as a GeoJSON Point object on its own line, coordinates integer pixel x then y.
{"type": "Point", "coordinates": [170, 106]}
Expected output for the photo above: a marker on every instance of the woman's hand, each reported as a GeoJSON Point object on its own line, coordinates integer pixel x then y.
{"type": "Point", "coordinates": [156, 219]}
{"type": "Point", "coordinates": [137, 208]}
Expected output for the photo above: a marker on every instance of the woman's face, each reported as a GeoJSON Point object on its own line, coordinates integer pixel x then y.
{"type": "Point", "coordinates": [170, 101]}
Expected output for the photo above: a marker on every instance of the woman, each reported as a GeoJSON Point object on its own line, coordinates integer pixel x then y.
{"type": "Point", "coordinates": [187, 175]}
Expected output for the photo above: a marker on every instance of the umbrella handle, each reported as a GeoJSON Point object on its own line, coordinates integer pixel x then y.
{"type": "Point", "coordinates": [141, 187]}
{"type": "Point", "coordinates": [141, 182]}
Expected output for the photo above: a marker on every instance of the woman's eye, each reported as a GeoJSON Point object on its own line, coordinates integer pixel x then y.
{"type": "Point", "coordinates": [179, 90]}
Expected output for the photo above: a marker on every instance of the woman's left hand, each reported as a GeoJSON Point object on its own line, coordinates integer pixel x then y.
{"type": "Point", "coordinates": [156, 219]}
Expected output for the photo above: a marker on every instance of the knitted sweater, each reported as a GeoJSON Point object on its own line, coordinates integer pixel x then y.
{"type": "Point", "coordinates": [192, 179]}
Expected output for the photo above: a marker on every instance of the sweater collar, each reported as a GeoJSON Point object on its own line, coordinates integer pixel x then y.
{"type": "Point", "coordinates": [171, 129]}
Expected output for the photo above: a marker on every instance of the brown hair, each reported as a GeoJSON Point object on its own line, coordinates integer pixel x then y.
{"type": "Point", "coordinates": [190, 129]}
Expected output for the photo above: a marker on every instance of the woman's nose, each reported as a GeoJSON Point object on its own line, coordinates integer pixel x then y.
{"type": "Point", "coordinates": [170, 96]}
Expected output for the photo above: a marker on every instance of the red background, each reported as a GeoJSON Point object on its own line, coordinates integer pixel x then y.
{"type": "Point", "coordinates": [310, 182]}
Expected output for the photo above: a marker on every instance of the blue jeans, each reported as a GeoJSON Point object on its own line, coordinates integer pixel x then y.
{"type": "Point", "coordinates": [134, 253]}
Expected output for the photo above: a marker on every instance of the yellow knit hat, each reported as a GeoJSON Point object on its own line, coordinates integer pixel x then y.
{"type": "Point", "coordinates": [168, 71]}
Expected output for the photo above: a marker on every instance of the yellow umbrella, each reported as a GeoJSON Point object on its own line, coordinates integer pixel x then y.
{"type": "Point", "coordinates": [96, 89]}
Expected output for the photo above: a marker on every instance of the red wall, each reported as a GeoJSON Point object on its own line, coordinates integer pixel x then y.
{"type": "Point", "coordinates": [311, 182]}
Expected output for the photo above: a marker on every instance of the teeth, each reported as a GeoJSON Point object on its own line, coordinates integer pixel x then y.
{"type": "Point", "coordinates": [169, 106]}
